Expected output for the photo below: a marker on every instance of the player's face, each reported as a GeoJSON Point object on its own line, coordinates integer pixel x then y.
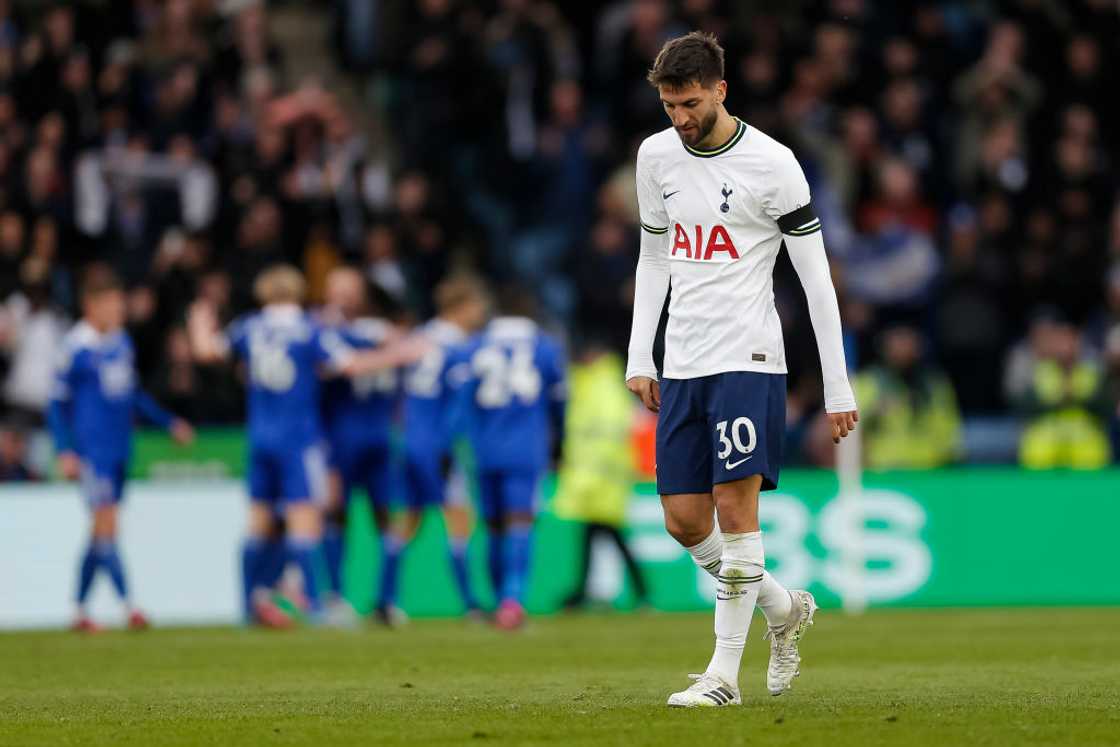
{"type": "Point", "coordinates": [345, 293]}
{"type": "Point", "coordinates": [474, 313]}
{"type": "Point", "coordinates": [693, 110]}
{"type": "Point", "coordinates": [106, 310]}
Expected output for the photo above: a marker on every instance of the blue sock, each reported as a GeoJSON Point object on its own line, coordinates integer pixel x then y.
{"type": "Point", "coordinates": [110, 560]}
{"type": "Point", "coordinates": [305, 554]}
{"type": "Point", "coordinates": [494, 563]}
{"type": "Point", "coordinates": [458, 552]}
{"type": "Point", "coordinates": [515, 562]}
{"type": "Point", "coordinates": [251, 553]}
{"type": "Point", "coordinates": [333, 553]}
{"type": "Point", "coordinates": [391, 548]}
{"type": "Point", "coordinates": [86, 572]}
{"type": "Point", "coordinates": [274, 557]}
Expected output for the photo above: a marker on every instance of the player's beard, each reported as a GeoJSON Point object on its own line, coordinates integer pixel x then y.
{"type": "Point", "coordinates": [707, 124]}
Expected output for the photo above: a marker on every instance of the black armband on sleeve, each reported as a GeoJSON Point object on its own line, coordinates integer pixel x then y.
{"type": "Point", "coordinates": [801, 222]}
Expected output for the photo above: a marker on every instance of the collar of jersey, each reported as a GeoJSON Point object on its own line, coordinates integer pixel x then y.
{"type": "Point", "coordinates": [442, 330]}
{"type": "Point", "coordinates": [86, 334]}
{"type": "Point", "coordinates": [283, 311]}
{"type": "Point", "coordinates": [731, 141]}
{"type": "Point", "coordinates": [511, 327]}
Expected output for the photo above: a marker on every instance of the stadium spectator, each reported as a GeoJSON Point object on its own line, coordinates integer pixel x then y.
{"type": "Point", "coordinates": [31, 333]}
{"type": "Point", "coordinates": [596, 477]}
{"type": "Point", "coordinates": [907, 407]}
{"type": "Point", "coordinates": [1065, 402]}
{"type": "Point", "coordinates": [14, 465]}
{"type": "Point", "coordinates": [970, 319]}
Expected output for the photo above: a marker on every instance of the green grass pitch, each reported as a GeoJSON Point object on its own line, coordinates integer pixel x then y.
{"type": "Point", "coordinates": [931, 677]}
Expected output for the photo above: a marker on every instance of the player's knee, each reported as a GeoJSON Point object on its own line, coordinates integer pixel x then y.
{"type": "Point", "coordinates": [105, 522]}
{"type": "Point", "coordinates": [304, 521]}
{"type": "Point", "coordinates": [335, 518]}
{"type": "Point", "coordinates": [458, 521]}
{"type": "Point", "coordinates": [260, 519]}
{"type": "Point", "coordinates": [737, 504]}
{"type": "Point", "coordinates": [382, 519]}
{"type": "Point", "coordinates": [687, 533]}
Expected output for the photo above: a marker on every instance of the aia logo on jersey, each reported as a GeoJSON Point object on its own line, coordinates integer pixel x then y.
{"type": "Point", "coordinates": [716, 246]}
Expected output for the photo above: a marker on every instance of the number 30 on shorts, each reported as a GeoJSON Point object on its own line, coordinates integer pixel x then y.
{"type": "Point", "coordinates": [726, 445]}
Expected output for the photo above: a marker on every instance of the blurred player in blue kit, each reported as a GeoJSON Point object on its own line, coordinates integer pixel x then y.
{"type": "Point", "coordinates": [286, 352]}
{"type": "Point", "coordinates": [512, 388]}
{"type": "Point", "coordinates": [93, 404]}
{"type": "Point", "coordinates": [430, 427]}
{"type": "Point", "coordinates": [358, 414]}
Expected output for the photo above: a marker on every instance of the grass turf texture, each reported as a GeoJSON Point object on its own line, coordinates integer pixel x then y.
{"type": "Point", "coordinates": [998, 677]}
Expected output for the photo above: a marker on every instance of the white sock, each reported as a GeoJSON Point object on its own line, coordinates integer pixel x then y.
{"type": "Point", "coordinates": [774, 601]}
{"type": "Point", "coordinates": [707, 554]}
{"type": "Point", "coordinates": [740, 577]}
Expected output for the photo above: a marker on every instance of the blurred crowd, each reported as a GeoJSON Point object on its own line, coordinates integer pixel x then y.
{"type": "Point", "coordinates": [958, 154]}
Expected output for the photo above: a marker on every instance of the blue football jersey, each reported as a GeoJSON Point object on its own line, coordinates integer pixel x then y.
{"type": "Point", "coordinates": [95, 396]}
{"type": "Point", "coordinates": [284, 350]}
{"type": "Point", "coordinates": [511, 380]}
{"type": "Point", "coordinates": [428, 402]}
{"type": "Point", "coordinates": [360, 409]}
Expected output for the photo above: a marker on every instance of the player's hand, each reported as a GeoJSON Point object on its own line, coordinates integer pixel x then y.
{"type": "Point", "coordinates": [410, 349]}
{"type": "Point", "coordinates": [842, 424]}
{"type": "Point", "coordinates": [648, 391]}
{"type": "Point", "coordinates": [182, 432]}
{"type": "Point", "coordinates": [69, 465]}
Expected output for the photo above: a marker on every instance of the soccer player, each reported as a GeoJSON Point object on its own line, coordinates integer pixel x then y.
{"type": "Point", "coordinates": [93, 404]}
{"type": "Point", "coordinates": [357, 414]}
{"type": "Point", "coordinates": [717, 198]}
{"type": "Point", "coordinates": [511, 382]}
{"type": "Point", "coordinates": [429, 425]}
{"type": "Point", "coordinates": [285, 351]}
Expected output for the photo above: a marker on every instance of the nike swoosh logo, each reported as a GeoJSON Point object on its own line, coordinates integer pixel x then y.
{"type": "Point", "coordinates": [667, 196]}
{"type": "Point", "coordinates": [733, 465]}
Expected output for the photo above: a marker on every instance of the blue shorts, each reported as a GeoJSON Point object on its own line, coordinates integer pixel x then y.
{"type": "Point", "coordinates": [425, 477]}
{"type": "Point", "coordinates": [504, 493]}
{"type": "Point", "coordinates": [720, 428]}
{"type": "Point", "coordinates": [102, 481]}
{"type": "Point", "coordinates": [287, 474]}
{"type": "Point", "coordinates": [368, 466]}
{"type": "Point", "coordinates": [432, 479]}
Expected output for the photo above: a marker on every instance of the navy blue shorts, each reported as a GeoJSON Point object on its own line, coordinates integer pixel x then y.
{"type": "Point", "coordinates": [425, 477]}
{"type": "Point", "coordinates": [288, 474]}
{"type": "Point", "coordinates": [368, 466]}
{"type": "Point", "coordinates": [720, 428]}
{"type": "Point", "coordinates": [503, 493]}
{"type": "Point", "coordinates": [102, 481]}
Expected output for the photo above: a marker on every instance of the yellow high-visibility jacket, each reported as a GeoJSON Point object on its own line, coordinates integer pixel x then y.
{"type": "Point", "coordinates": [899, 433]}
{"type": "Point", "coordinates": [597, 475]}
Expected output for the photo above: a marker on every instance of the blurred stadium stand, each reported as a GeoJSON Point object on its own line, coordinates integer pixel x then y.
{"type": "Point", "coordinates": [960, 156]}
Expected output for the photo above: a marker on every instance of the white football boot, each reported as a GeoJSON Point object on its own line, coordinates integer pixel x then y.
{"type": "Point", "coordinates": [785, 661]}
{"type": "Point", "coordinates": [708, 691]}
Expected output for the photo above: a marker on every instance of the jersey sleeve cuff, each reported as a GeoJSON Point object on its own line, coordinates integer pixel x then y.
{"type": "Point", "coordinates": [653, 229]}
{"type": "Point", "coordinates": [840, 405]}
{"type": "Point", "coordinates": [649, 373]}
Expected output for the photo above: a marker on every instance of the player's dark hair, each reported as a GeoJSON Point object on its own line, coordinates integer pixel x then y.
{"type": "Point", "coordinates": [696, 57]}
{"type": "Point", "coordinates": [99, 278]}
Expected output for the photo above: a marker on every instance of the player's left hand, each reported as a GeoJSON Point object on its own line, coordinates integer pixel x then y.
{"type": "Point", "coordinates": [842, 423]}
{"type": "Point", "coordinates": [182, 432]}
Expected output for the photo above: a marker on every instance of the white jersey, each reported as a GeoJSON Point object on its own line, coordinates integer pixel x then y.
{"type": "Point", "coordinates": [717, 217]}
